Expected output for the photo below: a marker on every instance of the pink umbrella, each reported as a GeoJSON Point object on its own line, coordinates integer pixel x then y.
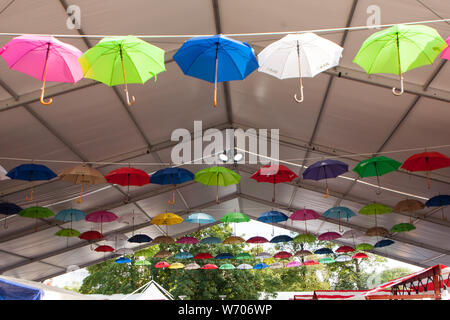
{"type": "Point", "coordinates": [445, 54]}
{"type": "Point", "coordinates": [293, 264]}
{"type": "Point", "coordinates": [44, 58]}
{"type": "Point", "coordinates": [100, 217]}
{"type": "Point", "coordinates": [328, 236]}
{"type": "Point", "coordinates": [303, 215]}
{"type": "Point", "coordinates": [187, 240]}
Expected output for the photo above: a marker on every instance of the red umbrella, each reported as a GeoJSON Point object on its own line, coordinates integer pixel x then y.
{"type": "Point", "coordinates": [344, 249]}
{"type": "Point", "coordinates": [282, 255]}
{"type": "Point", "coordinates": [310, 263]}
{"type": "Point", "coordinates": [360, 256]}
{"type": "Point", "coordinates": [162, 264]}
{"type": "Point", "coordinates": [426, 161]}
{"type": "Point", "coordinates": [91, 235]}
{"type": "Point", "coordinates": [209, 266]}
{"type": "Point", "coordinates": [203, 255]}
{"type": "Point", "coordinates": [127, 176]}
{"type": "Point", "coordinates": [104, 249]}
{"type": "Point", "coordinates": [187, 240]}
{"type": "Point", "coordinates": [274, 174]}
{"type": "Point", "coordinates": [328, 236]}
{"type": "Point", "coordinates": [303, 215]}
{"type": "Point", "coordinates": [100, 217]}
{"type": "Point", "coordinates": [257, 240]}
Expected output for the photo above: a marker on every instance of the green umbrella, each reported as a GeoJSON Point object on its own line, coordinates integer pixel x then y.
{"type": "Point", "coordinates": [227, 266]}
{"type": "Point", "coordinates": [67, 233]}
{"type": "Point", "coordinates": [235, 217]}
{"type": "Point", "coordinates": [306, 237]}
{"type": "Point", "coordinates": [327, 260]}
{"type": "Point", "coordinates": [403, 227]}
{"type": "Point", "coordinates": [364, 247]}
{"type": "Point", "coordinates": [398, 49]}
{"type": "Point", "coordinates": [243, 255]}
{"type": "Point", "coordinates": [217, 176]}
{"type": "Point", "coordinates": [36, 213]}
{"type": "Point", "coordinates": [376, 166]}
{"type": "Point", "coordinates": [122, 60]}
{"type": "Point", "coordinates": [142, 263]}
{"type": "Point", "coordinates": [375, 209]}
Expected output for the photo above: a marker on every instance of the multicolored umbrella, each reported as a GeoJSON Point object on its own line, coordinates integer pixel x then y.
{"type": "Point", "coordinates": [260, 266]}
{"type": "Point", "coordinates": [243, 256]}
{"type": "Point", "coordinates": [398, 49]}
{"type": "Point", "coordinates": [140, 238]}
{"type": "Point", "coordinates": [203, 255]}
{"type": "Point", "coordinates": [211, 240]}
{"type": "Point", "coordinates": [364, 247]}
{"type": "Point", "coordinates": [163, 240]}
{"type": "Point", "coordinates": [302, 253]}
{"type": "Point", "coordinates": [329, 236]}
{"type": "Point", "coordinates": [224, 255]}
{"type": "Point", "coordinates": [281, 238]}
{"type": "Point", "coordinates": [36, 213]}
{"type": "Point", "coordinates": [183, 255]}
{"type": "Point", "coordinates": [9, 208]}
{"type": "Point", "coordinates": [376, 167]}
{"type": "Point", "coordinates": [192, 266]}
{"type": "Point", "coordinates": [187, 240]}
{"type": "Point", "coordinates": [293, 264]}
{"type": "Point", "coordinates": [303, 215]}
{"type": "Point", "coordinates": [344, 249]}
{"type": "Point", "coordinates": [282, 255]}
{"type": "Point", "coordinates": [384, 243]}
{"type": "Point", "coordinates": [244, 266]}
{"type": "Point", "coordinates": [426, 161]}
{"type": "Point", "coordinates": [91, 235]}
{"type": "Point", "coordinates": [82, 174]}
{"type": "Point", "coordinates": [323, 251]}
{"type": "Point", "coordinates": [216, 59]}
{"type": "Point", "coordinates": [226, 266]}
{"type": "Point", "coordinates": [305, 238]}
{"type": "Point", "coordinates": [338, 213]}
{"type": "Point", "coordinates": [122, 60]}
{"type": "Point", "coordinates": [375, 209]}
{"type": "Point", "coordinates": [273, 173]}
{"type": "Point", "coordinates": [233, 240]}
{"type": "Point", "coordinates": [439, 201]}
{"type": "Point", "coordinates": [209, 266]}
{"type": "Point", "coordinates": [162, 265]}
{"type": "Point", "coordinates": [172, 176]}
{"type": "Point", "coordinates": [163, 254]}
{"type": "Point", "coordinates": [325, 169]}
{"type": "Point", "coordinates": [176, 265]}
{"type": "Point", "coordinates": [217, 176]}
{"type": "Point", "coordinates": [31, 172]}
{"type": "Point", "coordinates": [257, 240]}
{"type": "Point", "coordinates": [100, 217]}
{"type": "Point", "coordinates": [104, 248]}
{"type": "Point", "coordinates": [44, 58]}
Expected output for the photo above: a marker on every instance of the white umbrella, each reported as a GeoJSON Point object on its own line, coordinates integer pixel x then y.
{"type": "Point", "coordinates": [298, 56]}
{"type": "Point", "coordinates": [276, 265]}
{"type": "Point", "coordinates": [343, 258]}
{"type": "Point", "coordinates": [263, 255]}
{"type": "Point", "coordinates": [244, 266]}
{"type": "Point", "coordinates": [192, 266]}
{"type": "Point", "coordinates": [3, 173]}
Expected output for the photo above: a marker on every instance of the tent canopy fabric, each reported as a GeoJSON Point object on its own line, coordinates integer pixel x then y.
{"type": "Point", "coordinates": [15, 291]}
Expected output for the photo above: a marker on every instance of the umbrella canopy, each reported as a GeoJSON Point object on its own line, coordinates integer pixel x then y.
{"type": "Point", "coordinates": [398, 49]}
{"type": "Point", "coordinates": [31, 172]}
{"type": "Point", "coordinates": [343, 258]}
{"type": "Point", "coordinates": [209, 266]}
{"type": "Point", "coordinates": [163, 240]}
{"type": "Point", "coordinates": [272, 217]}
{"type": "Point", "coordinates": [310, 263]}
{"type": "Point", "coordinates": [163, 254]}
{"type": "Point", "coordinates": [91, 235]}
{"type": "Point", "coordinates": [123, 260]}
{"type": "Point", "coordinates": [298, 56]}
{"type": "Point", "coordinates": [439, 201]}
{"type": "Point", "coordinates": [200, 218]}
{"type": "Point", "coordinates": [376, 167]}
{"type": "Point", "coordinates": [260, 266]}
{"type": "Point", "coordinates": [114, 237]}
{"type": "Point", "coordinates": [176, 265]}
{"type": "Point", "coordinates": [36, 213]}
{"type": "Point", "coordinates": [167, 219]}
{"type": "Point", "coordinates": [82, 174]}
{"type": "Point", "coordinates": [233, 240]}
{"type": "Point", "coordinates": [122, 60]}
{"type": "Point", "coordinates": [69, 215]}
{"type": "Point", "coordinates": [293, 264]}
{"type": "Point", "coordinates": [100, 217]}
{"type": "Point", "coordinates": [244, 266]}
{"type": "Point", "coordinates": [263, 255]}
{"type": "Point", "coordinates": [274, 174]}
{"type": "Point", "coordinates": [235, 217]}
{"type": "Point", "coordinates": [377, 231]}
{"type": "Point", "coordinates": [162, 265]}
{"type": "Point", "coordinates": [127, 176]}
{"type": "Point", "coordinates": [183, 255]}
{"type": "Point", "coordinates": [305, 238]}
{"type": "Point", "coordinates": [243, 256]}
{"type": "Point", "coordinates": [323, 251]}
{"type": "Point", "coordinates": [338, 213]}
{"type": "Point", "coordinates": [276, 265]}
{"type": "Point", "coordinates": [344, 249]}
{"type": "Point", "coordinates": [409, 205]}
{"type": "Point", "coordinates": [445, 54]}
{"type": "Point", "coordinates": [360, 255]}
{"type": "Point", "coordinates": [187, 240]}
{"type": "Point", "coordinates": [281, 238]}
{"type": "Point", "coordinates": [384, 243]}
{"type": "Point", "coordinates": [3, 173]}
{"type": "Point", "coordinates": [304, 215]}
{"type": "Point", "coordinates": [44, 58]}
{"type": "Point", "coordinates": [426, 161]}
{"type": "Point", "coordinates": [224, 255]}
{"type": "Point", "coordinates": [257, 240]}
{"type": "Point", "coordinates": [375, 209]}
{"type": "Point", "coordinates": [124, 251]}
{"type": "Point", "coordinates": [9, 208]}
{"type": "Point", "coordinates": [326, 260]}
{"type": "Point", "coordinates": [172, 176]}
{"type": "Point", "coordinates": [203, 255]}
{"type": "Point", "coordinates": [217, 176]}
{"type": "Point", "coordinates": [328, 236]}
{"type": "Point", "coordinates": [364, 247]}
{"type": "Point", "coordinates": [211, 240]}
{"type": "Point", "coordinates": [68, 233]}
{"type": "Point", "coordinates": [140, 238]}
{"type": "Point", "coordinates": [192, 266]}
{"type": "Point", "coordinates": [352, 234]}
{"type": "Point", "coordinates": [142, 263]}
{"type": "Point", "coordinates": [303, 253]}
{"type": "Point", "coordinates": [282, 255]}
{"type": "Point", "coordinates": [216, 59]}
{"type": "Point", "coordinates": [104, 249]}
{"type": "Point", "coordinates": [325, 169]}
{"type": "Point", "coordinates": [226, 266]}
{"type": "Point", "coordinates": [403, 227]}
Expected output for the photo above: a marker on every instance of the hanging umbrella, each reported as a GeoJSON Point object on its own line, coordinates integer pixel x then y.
{"type": "Point", "coordinates": [216, 59]}
{"type": "Point", "coordinates": [142, 263]}
{"type": "Point", "coordinates": [163, 240]}
{"type": "Point", "coordinates": [343, 258]}
{"type": "Point", "coordinates": [217, 176]}
{"type": "Point", "coordinates": [104, 248]}
{"type": "Point", "coordinates": [36, 213]}
{"type": "Point", "coordinates": [375, 209]}
{"type": "Point", "coordinates": [298, 56]}
{"type": "Point", "coordinates": [200, 218]}
{"type": "Point", "coordinates": [323, 251]}
{"type": "Point", "coordinates": [123, 260]}
{"type": "Point", "coordinates": [9, 208]}
{"type": "Point", "coordinates": [352, 234]}
{"type": "Point", "coordinates": [360, 255]}
{"type": "Point", "coordinates": [409, 206]}
{"type": "Point", "coordinates": [226, 266]}
{"type": "Point", "coordinates": [310, 263]}
{"type": "Point", "coordinates": [281, 238]}
{"type": "Point", "coordinates": [303, 215]}
{"type": "Point", "coordinates": [127, 176]}
{"type": "Point", "coordinates": [166, 219]}
{"type": "Point", "coordinates": [162, 254]}
{"type": "Point", "coordinates": [276, 265]}
{"type": "Point", "coordinates": [68, 233]}
{"type": "Point", "coordinates": [426, 161]}
{"type": "Point", "coordinates": [445, 54]}
{"type": "Point", "coordinates": [82, 174]}
{"type": "Point", "coordinates": [325, 169]}
{"type": "Point", "coordinates": [91, 235]}
{"type": "Point", "coordinates": [70, 215]}
{"type": "Point", "coordinates": [364, 247]}
{"type": "Point", "coordinates": [224, 255]}
{"type": "Point", "coordinates": [122, 60]}
{"type": "Point", "coordinates": [233, 240]}
{"type": "Point", "coordinates": [162, 265]}
{"type": "Point", "coordinates": [192, 266]}
{"type": "Point", "coordinates": [303, 253]}
{"type": "Point", "coordinates": [187, 240]}
{"type": "Point", "coordinates": [31, 172]}
{"type": "Point", "coordinates": [398, 49]}
{"type": "Point", "coordinates": [305, 238]}
{"type": "Point", "coordinates": [3, 173]}
{"type": "Point", "coordinates": [293, 264]}
{"type": "Point", "coordinates": [176, 265]}
{"type": "Point", "coordinates": [203, 255]}
{"type": "Point", "coordinates": [234, 217]}
{"type": "Point", "coordinates": [243, 256]}
{"type": "Point", "coordinates": [209, 266]}
{"type": "Point", "coordinates": [124, 251]}
{"type": "Point", "coordinates": [244, 266]}
{"type": "Point", "coordinates": [183, 255]}
{"type": "Point", "coordinates": [376, 167]}
{"type": "Point", "coordinates": [377, 231]}
{"type": "Point", "coordinates": [282, 255]}
{"type": "Point", "coordinates": [263, 255]}
{"type": "Point", "coordinates": [274, 173]}
{"type": "Point", "coordinates": [384, 243]}
{"type": "Point", "coordinates": [439, 201]}
{"type": "Point", "coordinates": [172, 176]}
{"type": "Point", "coordinates": [140, 238]}
{"type": "Point", "coordinates": [100, 217]}
{"type": "Point", "coordinates": [329, 236]}
{"type": "Point", "coordinates": [257, 240]}
{"type": "Point", "coordinates": [344, 249]}
{"type": "Point", "coordinates": [272, 217]}
{"type": "Point", "coordinates": [338, 213]}
{"type": "Point", "coordinates": [116, 237]}
{"type": "Point", "coordinates": [211, 240]}
{"type": "Point", "coordinates": [260, 266]}
{"type": "Point", "coordinates": [326, 260]}
{"type": "Point", "coordinates": [44, 58]}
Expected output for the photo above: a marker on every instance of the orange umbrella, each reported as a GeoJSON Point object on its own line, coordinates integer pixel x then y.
{"type": "Point", "coordinates": [82, 174]}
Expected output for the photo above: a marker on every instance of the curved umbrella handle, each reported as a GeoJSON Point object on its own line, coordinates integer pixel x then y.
{"type": "Point", "coordinates": [394, 90]}
{"type": "Point", "coordinates": [30, 198]}
{"type": "Point", "coordinates": [173, 196]}
{"type": "Point", "coordinates": [80, 200]}
{"type": "Point", "coordinates": [133, 100]}
{"type": "Point", "coordinates": [301, 92]}
{"type": "Point", "coordinates": [42, 98]}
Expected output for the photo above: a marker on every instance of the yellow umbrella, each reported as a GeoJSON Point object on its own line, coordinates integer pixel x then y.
{"type": "Point", "coordinates": [167, 219]}
{"type": "Point", "coordinates": [82, 174]}
{"type": "Point", "coordinates": [233, 240]}
{"type": "Point", "coordinates": [176, 265]}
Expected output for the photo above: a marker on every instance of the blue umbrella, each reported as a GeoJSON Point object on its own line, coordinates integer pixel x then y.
{"type": "Point", "coordinates": [323, 251]}
{"type": "Point", "coordinates": [272, 217]}
{"type": "Point", "coordinates": [439, 201]}
{"type": "Point", "coordinates": [216, 59]}
{"type": "Point", "coordinates": [70, 215]}
{"type": "Point", "coordinates": [325, 169]}
{"type": "Point", "coordinates": [338, 213]}
{"type": "Point", "coordinates": [200, 218]}
{"type": "Point", "coordinates": [260, 266]}
{"type": "Point", "coordinates": [211, 240]}
{"type": "Point", "coordinates": [123, 260]}
{"type": "Point", "coordinates": [383, 243]}
{"type": "Point", "coordinates": [171, 176]}
{"type": "Point", "coordinates": [31, 172]}
{"type": "Point", "coordinates": [183, 255]}
{"type": "Point", "coordinates": [282, 238]}
{"type": "Point", "coordinates": [140, 238]}
{"type": "Point", "coordinates": [224, 255]}
{"type": "Point", "coordinates": [9, 208]}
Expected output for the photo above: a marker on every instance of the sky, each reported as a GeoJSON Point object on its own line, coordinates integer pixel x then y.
{"type": "Point", "coordinates": [246, 230]}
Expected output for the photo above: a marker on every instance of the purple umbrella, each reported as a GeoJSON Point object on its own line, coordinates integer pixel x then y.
{"type": "Point", "coordinates": [325, 169]}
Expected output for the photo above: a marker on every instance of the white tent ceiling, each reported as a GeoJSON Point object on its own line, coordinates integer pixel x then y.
{"type": "Point", "coordinates": [345, 111]}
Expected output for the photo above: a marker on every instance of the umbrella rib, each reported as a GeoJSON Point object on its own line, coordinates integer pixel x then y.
{"type": "Point", "coordinates": [38, 46]}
